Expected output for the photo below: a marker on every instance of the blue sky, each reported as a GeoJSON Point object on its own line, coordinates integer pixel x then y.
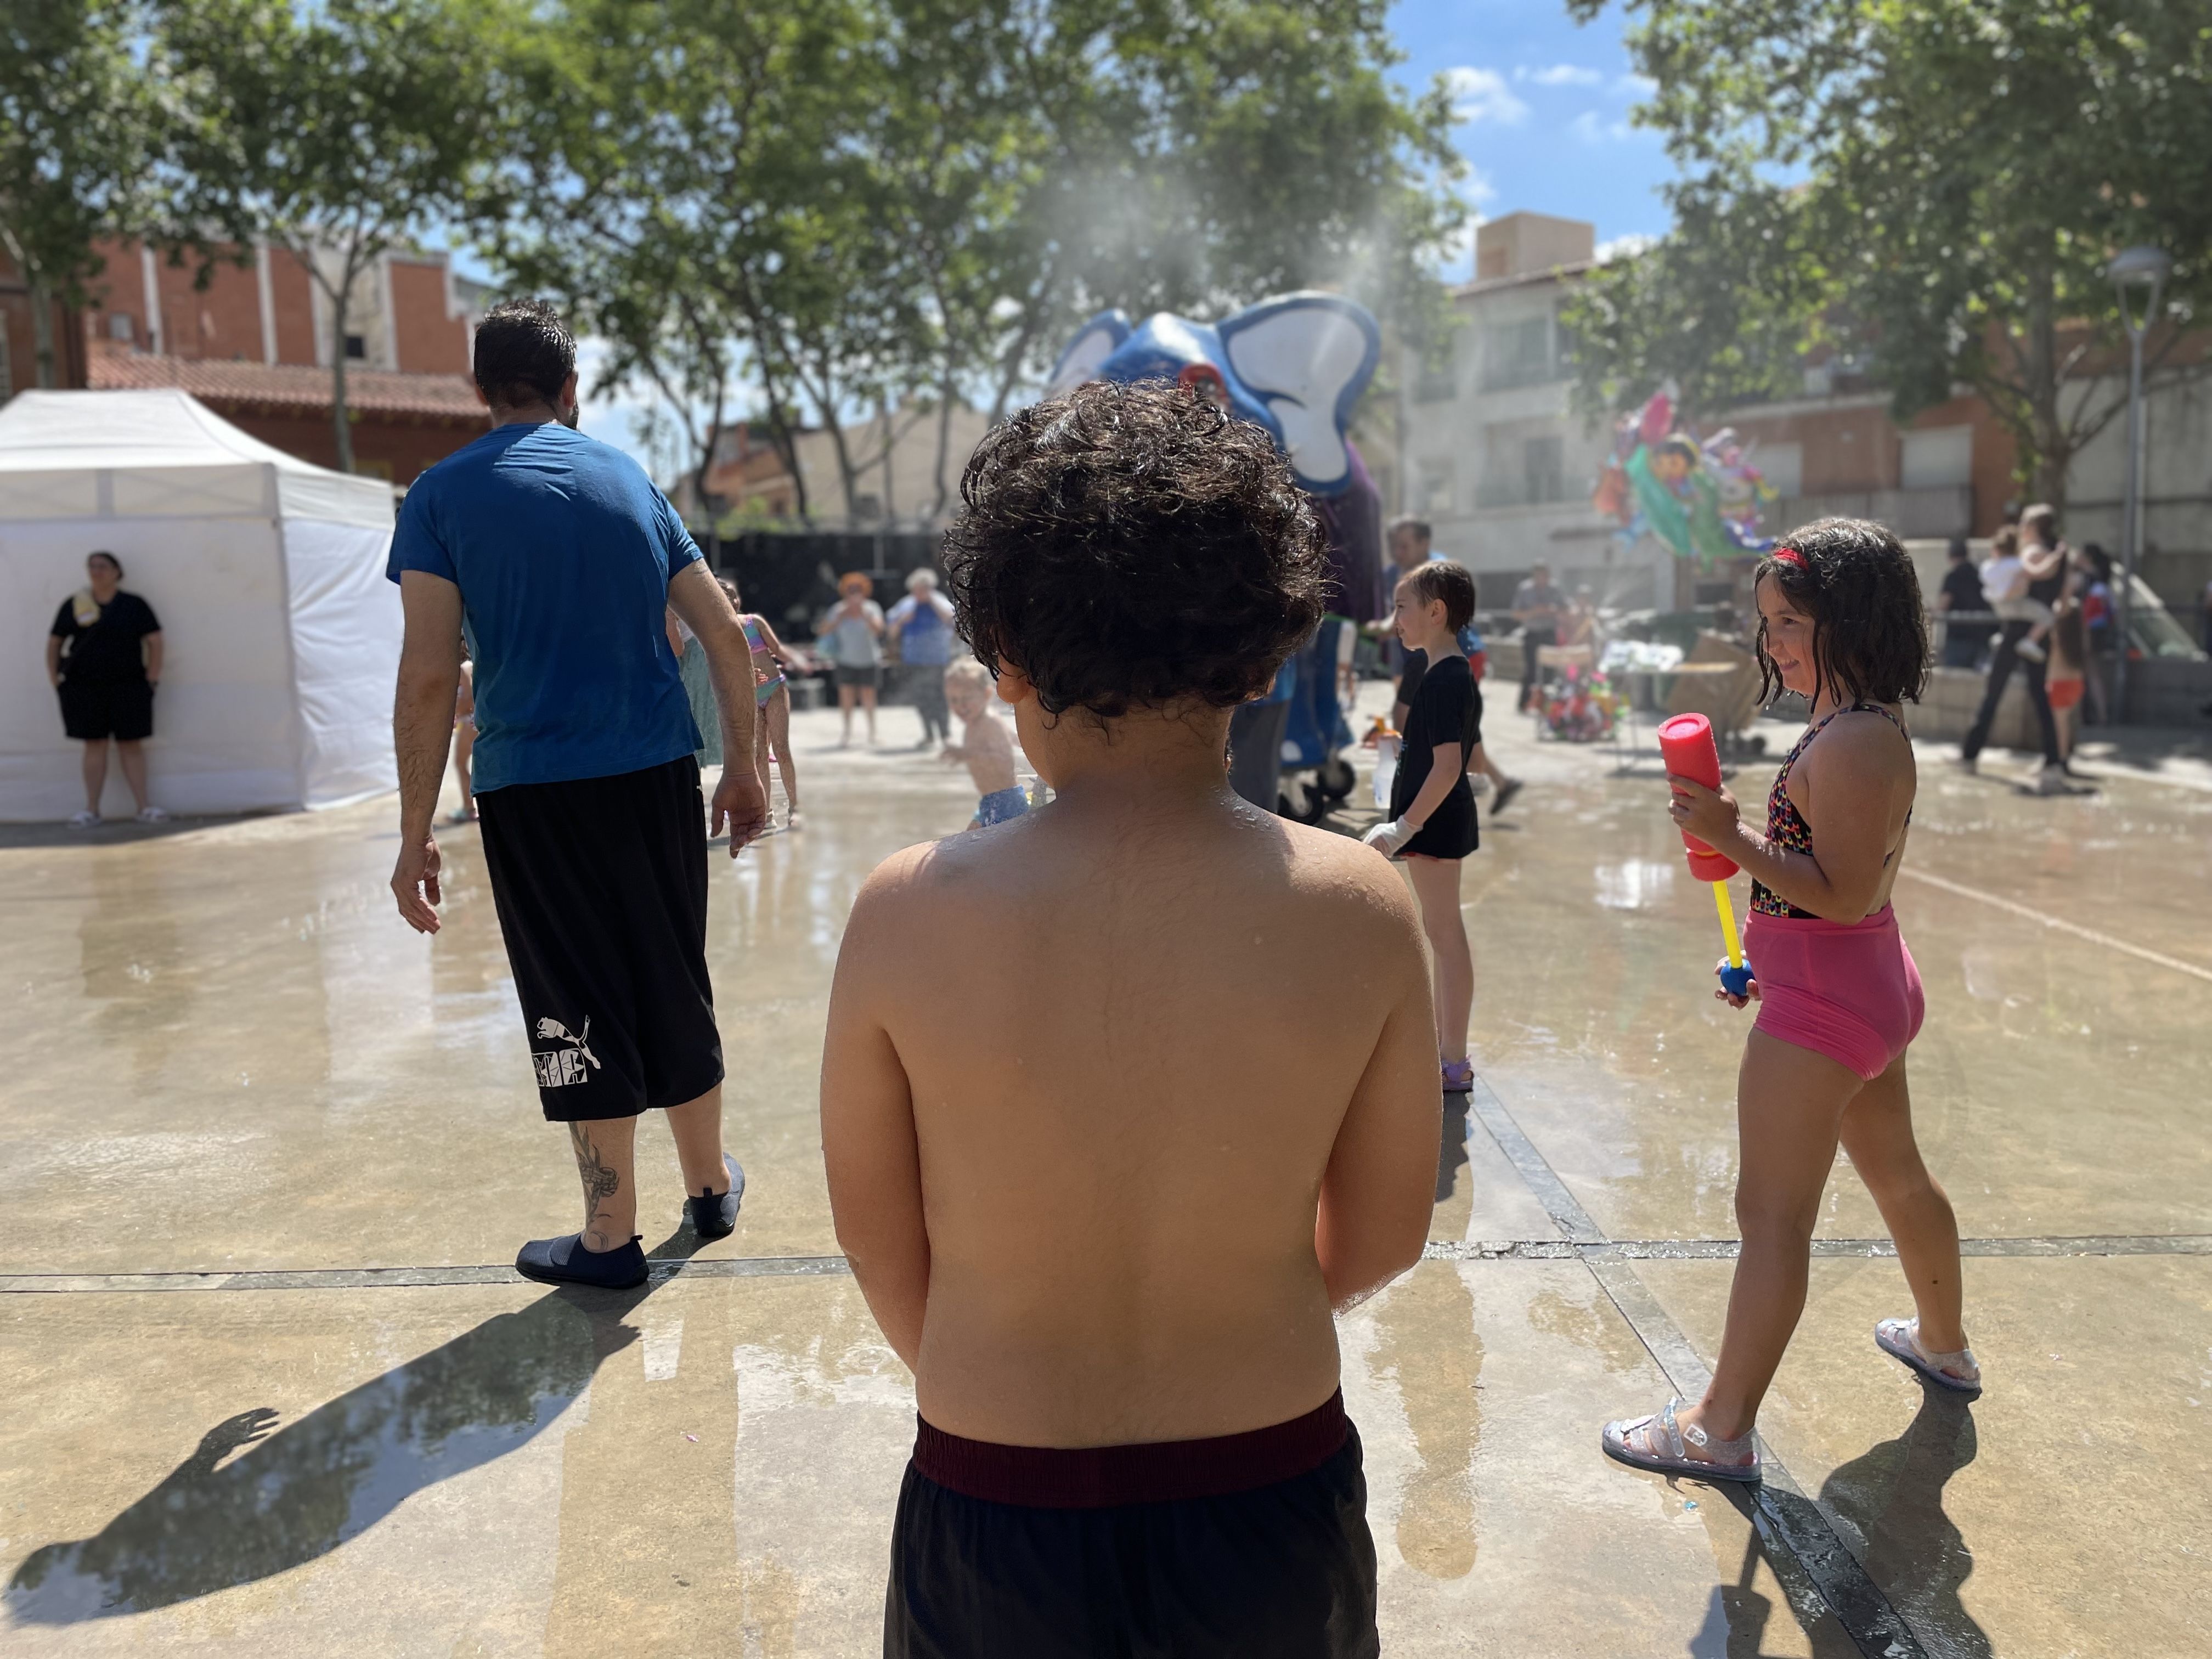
{"type": "Point", "coordinates": [1544, 110]}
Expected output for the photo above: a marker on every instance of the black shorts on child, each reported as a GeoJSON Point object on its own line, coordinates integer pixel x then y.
{"type": "Point", "coordinates": [1248, 1547]}
{"type": "Point", "coordinates": [601, 889]}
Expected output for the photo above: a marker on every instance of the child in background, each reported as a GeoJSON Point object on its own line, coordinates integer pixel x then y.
{"type": "Point", "coordinates": [1433, 823]}
{"type": "Point", "coordinates": [465, 743]}
{"type": "Point", "coordinates": [772, 699]}
{"type": "Point", "coordinates": [1503, 786]}
{"type": "Point", "coordinates": [987, 749]}
{"type": "Point", "coordinates": [1121, 1100]}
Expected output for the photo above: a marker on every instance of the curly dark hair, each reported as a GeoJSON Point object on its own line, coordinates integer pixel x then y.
{"type": "Point", "coordinates": [1857, 582]}
{"type": "Point", "coordinates": [1132, 546]}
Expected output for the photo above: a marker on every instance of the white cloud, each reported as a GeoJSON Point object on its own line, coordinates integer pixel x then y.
{"type": "Point", "coordinates": [1481, 94]}
{"type": "Point", "coordinates": [1625, 246]}
{"type": "Point", "coordinates": [1635, 86]}
{"type": "Point", "coordinates": [1559, 75]}
{"type": "Point", "coordinates": [1592, 128]}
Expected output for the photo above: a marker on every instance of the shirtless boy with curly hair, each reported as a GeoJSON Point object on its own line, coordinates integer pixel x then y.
{"type": "Point", "coordinates": [1105, 1185]}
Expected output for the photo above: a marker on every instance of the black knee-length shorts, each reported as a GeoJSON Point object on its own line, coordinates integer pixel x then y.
{"type": "Point", "coordinates": [601, 889]}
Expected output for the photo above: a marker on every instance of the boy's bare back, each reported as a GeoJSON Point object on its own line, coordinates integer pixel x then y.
{"type": "Point", "coordinates": [1162, 1029]}
{"type": "Point", "coordinates": [1122, 1097]}
{"type": "Point", "coordinates": [988, 751]}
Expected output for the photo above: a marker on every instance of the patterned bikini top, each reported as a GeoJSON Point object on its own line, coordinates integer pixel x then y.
{"type": "Point", "coordinates": [1785, 825]}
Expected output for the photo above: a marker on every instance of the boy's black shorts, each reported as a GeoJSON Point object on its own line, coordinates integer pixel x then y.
{"type": "Point", "coordinates": [1286, 1570]}
{"type": "Point", "coordinates": [601, 889]}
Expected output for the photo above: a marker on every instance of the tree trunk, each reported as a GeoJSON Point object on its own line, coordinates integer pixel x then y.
{"type": "Point", "coordinates": [2052, 452]}
{"type": "Point", "coordinates": [883, 416]}
{"type": "Point", "coordinates": [943, 439]}
{"type": "Point", "coordinates": [42, 327]}
{"type": "Point", "coordinates": [341, 422]}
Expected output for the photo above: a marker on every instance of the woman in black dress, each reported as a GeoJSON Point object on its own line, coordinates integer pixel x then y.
{"type": "Point", "coordinates": [104, 657]}
{"type": "Point", "coordinates": [1433, 823]}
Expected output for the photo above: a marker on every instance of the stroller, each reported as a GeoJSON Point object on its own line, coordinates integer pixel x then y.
{"type": "Point", "coordinates": [1315, 775]}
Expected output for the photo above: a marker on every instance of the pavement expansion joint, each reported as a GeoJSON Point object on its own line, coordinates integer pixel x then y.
{"type": "Point", "coordinates": [1813, 1564]}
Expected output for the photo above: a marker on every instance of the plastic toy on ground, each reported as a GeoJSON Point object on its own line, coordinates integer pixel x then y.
{"type": "Point", "coordinates": [1686, 744]}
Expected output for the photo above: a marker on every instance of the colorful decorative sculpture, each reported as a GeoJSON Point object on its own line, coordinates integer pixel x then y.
{"type": "Point", "coordinates": [1702, 499]}
{"type": "Point", "coordinates": [1295, 365]}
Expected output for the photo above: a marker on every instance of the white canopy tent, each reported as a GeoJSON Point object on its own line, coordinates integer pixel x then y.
{"type": "Point", "coordinates": [281, 635]}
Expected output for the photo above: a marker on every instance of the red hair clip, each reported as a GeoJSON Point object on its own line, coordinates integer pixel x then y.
{"type": "Point", "coordinates": [1788, 555]}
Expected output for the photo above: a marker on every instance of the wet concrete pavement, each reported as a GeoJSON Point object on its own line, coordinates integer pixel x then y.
{"type": "Point", "coordinates": [275, 1389]}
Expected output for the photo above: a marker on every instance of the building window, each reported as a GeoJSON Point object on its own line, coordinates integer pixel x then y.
{"type": "Point", "coordinates": [1516, 354]}
{"type": "Point", "coordinates": [1544, 468]}
{"type": "Point", "coordinates": [1938, 458]}
{"type": "Point", "coordinates": [1782, 466]}
{"type": "Point", "coordinates": [1437, 380]}
{"type": "Point", "coordinates": [1432, 487]}
{"type": "Point", "coordinates": [357, 347]}
{"type": "Point", "coordinates": [121, 325]}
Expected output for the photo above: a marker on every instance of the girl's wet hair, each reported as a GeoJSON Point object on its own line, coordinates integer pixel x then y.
{"type": "Point", "coordinates": [1857, 582]}
{"type": "Point", "coordinates": [102, 553]}
{"type": "Point", "coordinates": [1443, 579]}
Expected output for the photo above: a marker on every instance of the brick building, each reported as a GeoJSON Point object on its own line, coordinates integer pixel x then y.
{"type": "Point", "coordinates": [254, 342]}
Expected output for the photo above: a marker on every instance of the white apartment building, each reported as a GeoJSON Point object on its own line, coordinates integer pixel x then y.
{"type": "Point", "coordinates": [1491, 455]}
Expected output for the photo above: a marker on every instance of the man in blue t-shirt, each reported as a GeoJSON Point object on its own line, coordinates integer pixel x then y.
{"type": "Point", "coordinates": [558, 559]}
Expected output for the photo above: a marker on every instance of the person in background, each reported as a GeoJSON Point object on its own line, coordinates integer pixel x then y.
{"type": "Point", "coordinates": [1539, 606]}
{"type": "Point", "coordinates": [985, 747]}
{"type": "Point", "coordinates": [1966, 638]}
{"type": "Point", "coordinates": [103, 659]}
{"type": "Point", "coordinates": [1433, 822]}
{"type": "Point", "coordinates": [2064, 675]}
{"type": "Point", "coordinates": [2098, 620]}
{"type": "Point", "coordinates": [851, 635]}
{"type": "Point", "coordinates": [561, 559]}
{"type": "Point", "coordinates": [698, 692]}
{"type": "Point", "coordinates": [771, 702]}
{"type": "Point", "coordinates": [1504, 786]}
{"type": "Point", "coordinates": [465, 743]}
{"type": "Point", "coordinates": [2031, 566]}
{"type": "Point", "coordinates": [923, 624]}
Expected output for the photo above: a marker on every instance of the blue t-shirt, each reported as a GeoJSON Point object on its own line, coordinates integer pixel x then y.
{"type": "Point", "coordinates": [562, 549]}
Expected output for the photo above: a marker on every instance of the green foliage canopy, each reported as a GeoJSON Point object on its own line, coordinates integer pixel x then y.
{"type": "Point", "coordinates": [1934, 186]}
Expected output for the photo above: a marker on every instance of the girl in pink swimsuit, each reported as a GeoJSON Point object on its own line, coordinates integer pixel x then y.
{"type": "Point", "coordinates": [1839, 999]}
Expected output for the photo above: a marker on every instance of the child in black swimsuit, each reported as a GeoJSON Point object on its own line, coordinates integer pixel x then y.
{"type": "Point", "coordinates": [1432, 824]}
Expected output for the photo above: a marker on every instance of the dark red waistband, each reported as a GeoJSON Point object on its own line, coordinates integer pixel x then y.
{"type": "Point", "coordinates": [1161, 1472]}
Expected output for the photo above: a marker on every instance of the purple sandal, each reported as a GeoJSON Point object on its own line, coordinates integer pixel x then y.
{"type": "Point", "coordinates": [1459, 1076]}
{"type": "Point", "coordinates": [1656, 1443]}
{"type": "Point", "coordinates": [1900, 1340]}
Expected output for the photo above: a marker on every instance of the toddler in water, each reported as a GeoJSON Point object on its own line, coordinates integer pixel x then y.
{"type": "Point", "coordinates": [1120, 1101]}
{"type": "Point", "coordinates": [987, 749]}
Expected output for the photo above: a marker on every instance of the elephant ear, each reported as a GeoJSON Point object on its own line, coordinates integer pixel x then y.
{"type": "Point", "coordinates": [1307, 357]}
{"type": "Point", "coordinates": [1094, 342]}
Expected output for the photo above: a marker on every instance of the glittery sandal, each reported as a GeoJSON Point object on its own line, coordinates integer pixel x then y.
{"type": "Point", "coordinates": [1657, 1443]}
{"type": "Point", "coordinates": [1900, 1340]}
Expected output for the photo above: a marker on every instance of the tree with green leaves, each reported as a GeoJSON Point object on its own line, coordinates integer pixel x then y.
{"type": "Point", "coordinates": [1932, 187]}
{"type": "Point", "coordinates": [884, 196]}
{"type": "Point", "coordinates": [81, 121]}
{"type": "Point", "coordinates": [337, 129]}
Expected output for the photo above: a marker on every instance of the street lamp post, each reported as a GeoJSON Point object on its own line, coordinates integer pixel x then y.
{"type": "Point", "coordinates": [2134, 270]}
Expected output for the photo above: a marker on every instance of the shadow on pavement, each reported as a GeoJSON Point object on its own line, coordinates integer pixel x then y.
{"type": "Point", "coordinates": [1890, 1504]}
{"type": "Point", "coordinates": [297, 1493]}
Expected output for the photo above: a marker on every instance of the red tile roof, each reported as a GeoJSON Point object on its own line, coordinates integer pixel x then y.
{"type": "Point", "coordinates": [291, 388]}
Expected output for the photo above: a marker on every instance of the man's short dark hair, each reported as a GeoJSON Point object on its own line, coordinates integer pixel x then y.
{"type": "Point", "coordinates": [1441, 579]}
{"type": "Point", "coordinates": [1131, 547]}
{"type": "Point", "coordinates": [524, 354]}
{"type": "Point", "coordinates": [1413, 522]}
{"type": "Point", "coordinates": [1857, 582]}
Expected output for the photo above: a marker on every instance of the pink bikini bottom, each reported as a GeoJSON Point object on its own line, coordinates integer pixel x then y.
{"type": "Point", "coordinates": [1848, 990]}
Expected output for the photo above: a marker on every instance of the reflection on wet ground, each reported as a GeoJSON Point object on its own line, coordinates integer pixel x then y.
{"type": "Point", "coordinates": [228, 1057]}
